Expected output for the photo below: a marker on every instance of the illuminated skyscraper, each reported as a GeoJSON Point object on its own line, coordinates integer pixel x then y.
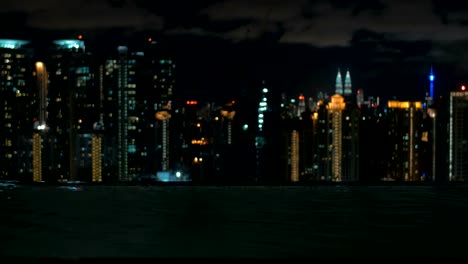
{"type": "Point", "coordinates": [72, 101]}
{"type": "Point", "coordinates": [458, 136]}
{"type": "Point", "coordinates": [123, 105]}
{"type": "Point", "coordinates": [155, 81]}
{"type": "Point", "coordinates": [406, 136]}
{"type": "Point", "coordinates": [339, 89]}
{"type": "Point", "coordinates": [335, 110]}
{"type": "Point", "coordinates": [321, 142]}
{"type": "Point", "coordinates": [118, 85]}
{"type": "Point", "coordinates": [347, 85]}
{"type": "Point", "coordinates": [137, 88]}
{"type": "Point", "coordinates": [18, 93]}
{"type": "Point", "coordinates": [40, 125]}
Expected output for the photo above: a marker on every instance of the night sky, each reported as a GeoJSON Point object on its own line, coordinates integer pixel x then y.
{"type": "Point", "coordinates": [297, 46]}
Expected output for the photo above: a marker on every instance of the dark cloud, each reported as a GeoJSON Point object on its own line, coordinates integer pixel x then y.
{"type": "Point", "coordinates": [83, 14]}
{"type": "Point", "coordinates": [117, 3]}
{"type": "Point", "coordinates": [315, 22]}
{"type": "Point", "coordinates": [452, 12]}
{"type": "Point", "coordinates": [319, 23]}
{"type": "Point", "coordinates": [358, 6]}
{"type": "Point", "coordinates": [176, 13]}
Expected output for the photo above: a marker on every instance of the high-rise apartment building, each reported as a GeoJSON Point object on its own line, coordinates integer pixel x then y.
{"type": "Point", "coordinates": [405, 141]}
{"type": "Point", "coordinates": [137, 88]}
{"type": "Point", "coordinates": [120, 119]}
{"type": "Point", "coordinates": [458, 136]}
{"type": "Point", "coordinates": [18, 94]}
{"type": "Point", "coordinates": [73, 100]}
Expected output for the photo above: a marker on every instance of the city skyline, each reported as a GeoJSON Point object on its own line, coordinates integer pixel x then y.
{"type": "Point", "coordinates": [311, 75]}
{"type": "Point", "coordinates": [123, 119]}
{"type": "Point", "coordinates": [245, 129]}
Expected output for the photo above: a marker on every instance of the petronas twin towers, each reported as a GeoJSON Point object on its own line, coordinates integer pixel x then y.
{"type": "Point", "coordinates": [343, 88]}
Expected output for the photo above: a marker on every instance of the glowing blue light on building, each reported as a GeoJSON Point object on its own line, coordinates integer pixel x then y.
{"type": "Point", "coordinates": [12, 43]}
{"type": "Point", "coordinates": [70, 44]}
{"type": "Point", "coordinates": [431, 79]}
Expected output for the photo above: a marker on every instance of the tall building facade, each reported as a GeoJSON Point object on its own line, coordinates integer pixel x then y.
{"type": "Point", "coordinates": [119, 87]}
{"type": "Point", "coordinates": [137, 88]}
{"type": "Point", "coordinates": [18, 100]}
{"type": "Point", "coordinates": [405, 141]}
{"type": "Point", "coordinates": [335, 110]}
{"type": "Point", "coordinates": [73, 99]}
{"type": "Point", "coordinates": [458, 136]}
{"type": "Point", "coordinates": [339, 88]}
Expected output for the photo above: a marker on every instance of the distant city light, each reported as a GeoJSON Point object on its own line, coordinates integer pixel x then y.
{"type": "Point", "coordinates": [70, 44]}
{"type": "Point", "coordinates": [431, 77]}
{"type": "Point", "coordinates": [245, 127]}
{"type": "Point", "coordinates": [80, 36]}
{"type": "Point", "coordinates": [12, 43]}
{"type": "Point", "coordinates": [150, 39]}
{"type": "Point", "coordinates": [265, 90]}
{"type": "Point", "coordinates": [463, 87]}
{"type": "Point", "coordinates": [178, 174]}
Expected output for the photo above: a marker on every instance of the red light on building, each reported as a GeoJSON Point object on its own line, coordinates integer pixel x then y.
{"type": "Point", "coordinates": [80, 36]}
{"type": "Point", "coordinates": [233, 102]}
{"type": "Point", "coordinates": [463, 88]}
{"type": "Point", "coordinates": [301, 97]}
{"type": "Point", "coordinates": [191, 102]}
{"type": "Point", "coordinates": [150, 39]}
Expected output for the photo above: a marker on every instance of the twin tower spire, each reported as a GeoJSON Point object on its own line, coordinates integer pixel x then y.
{"type": "Point", "coordinates": [346, 88]}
